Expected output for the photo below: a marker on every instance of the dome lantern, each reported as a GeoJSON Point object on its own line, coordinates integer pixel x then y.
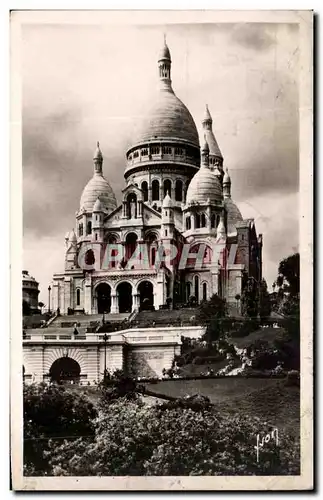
{"type": "Point", "coordinates": [98, 159]}
{"type": "Point", "coordinates": [164, 65]}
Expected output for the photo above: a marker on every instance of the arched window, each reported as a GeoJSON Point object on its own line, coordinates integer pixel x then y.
{"type": "Point", "coordinates": [197, 221]}
{"type": "Point", "coordinates": [131, 244]}
{"type": "Point", "coordinates": [155, 190]}
{"type": "Point", "coordinates": [213, 220]}
{"type": "Point", "coordinates": [196, 288]}
{"type": "Point", "coordinates": [89, 227]}
{"type": "Point", "coordinates": [81, 229]}
{"type": "Point", "coordinates": [78, 297]}
{"type": "Point", "coordinates": [167, 187]}
{"type": "Point", "coordinates": [188, 222]}
{"type": "Point", "coordinates": [179, 191]}
{"type": "Point", "coordinates": [203, 220]}
{"type": "Point", "coordinates": [89, 258]}
{"type": "Point", "coordinates": [204, 291]}
{"type": "Point", "coordinates": [144, 187]}
{"type": "Point", "coordinates": [217, 220]}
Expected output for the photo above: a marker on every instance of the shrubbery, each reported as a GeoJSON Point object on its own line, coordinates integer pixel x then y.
{"type": "Point", "coordinates": [173, 439]}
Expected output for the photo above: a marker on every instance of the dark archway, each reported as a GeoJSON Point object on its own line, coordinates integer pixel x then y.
{"type": "Point", "coordinates": [124, 291]}
{"type": "Point", "coordinates": [65, 369]}
{"type": "Point", "coordinates": [103, 293]}
{"type": "Point", "coordinates": [146, 294]}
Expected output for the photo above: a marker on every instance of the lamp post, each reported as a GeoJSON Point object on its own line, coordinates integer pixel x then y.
{"type": "Point", "coordinates": [49, 290]}
{"type": "Point", "coordinates": [105, 374]}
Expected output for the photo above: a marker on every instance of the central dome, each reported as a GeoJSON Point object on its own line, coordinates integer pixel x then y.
{"type": "Point", "coordinates": [168, 118]}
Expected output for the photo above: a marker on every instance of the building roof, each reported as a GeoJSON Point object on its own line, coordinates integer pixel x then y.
{"type": "Point", "coordinates": [205, 188]}
{"type": "Point", "coordinates": [167, 118]}
{"type": "Point", "coordinates": [233, 215]}
{"type": "Point", "coordinates": [164, 53]}
{"type": "Point", "coordinates": [98, 186]}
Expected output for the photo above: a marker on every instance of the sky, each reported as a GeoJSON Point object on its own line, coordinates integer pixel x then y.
{"type": "Point", "coordinates": [84, 83]}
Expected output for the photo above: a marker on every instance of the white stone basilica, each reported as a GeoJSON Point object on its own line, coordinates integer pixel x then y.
{"type": "Point", "coordinates": [175, 193]}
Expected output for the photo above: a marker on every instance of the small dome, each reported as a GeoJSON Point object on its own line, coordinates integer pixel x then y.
{"type": "Point", "coordinates": [233, 215]}
{"type": "Point", "coordinates": [72, 236]}
{"type": "Point", "coordinates": [98, 207]}
{"type": "Point", "coordinates": [226, 178]}
{"type": "Point", "coordinates": [98, 186]}
{"type": "Point", "coordinates": [167, 201]}
{"type": "Point", "coordinates": [97, 153]}
{"type": "Point", "coordinates": [204, 188]}
{"type": "Point", "coordinates": [164, 53]}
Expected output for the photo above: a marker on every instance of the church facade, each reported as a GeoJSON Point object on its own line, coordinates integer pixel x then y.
{"type": "Point", "coordinates": [177, 195]}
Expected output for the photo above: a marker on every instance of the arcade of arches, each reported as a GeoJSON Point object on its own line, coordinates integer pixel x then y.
{"type": "Point", "coordinates": [125, 298]}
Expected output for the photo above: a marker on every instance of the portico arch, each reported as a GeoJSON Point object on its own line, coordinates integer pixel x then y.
{"type": "Point", "coordinates": [103, 297]}
{"type": "Point", "coordinates": [146, 295]}
{"type": "Point", "coordinates": [124, 293]}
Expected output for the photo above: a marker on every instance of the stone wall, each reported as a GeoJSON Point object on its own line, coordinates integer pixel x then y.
{"type": "Point", "coordinates": [146, 361]}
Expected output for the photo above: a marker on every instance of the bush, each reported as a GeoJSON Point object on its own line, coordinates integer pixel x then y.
{"type": "Point", "coordinates": [52, 413]}
{"type": "Point", "coordinates": [174, 439]}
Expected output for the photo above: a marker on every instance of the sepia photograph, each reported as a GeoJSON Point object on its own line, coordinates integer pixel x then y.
{"type": "Point", "coordinates": [165, 323]}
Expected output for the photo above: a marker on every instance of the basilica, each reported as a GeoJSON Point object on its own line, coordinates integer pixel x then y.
{"type": "Point", "coordinates": [177, 193]}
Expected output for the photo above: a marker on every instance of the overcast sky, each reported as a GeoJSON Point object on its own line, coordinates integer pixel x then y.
{"type": "Point", "coordinates": [87, 83]}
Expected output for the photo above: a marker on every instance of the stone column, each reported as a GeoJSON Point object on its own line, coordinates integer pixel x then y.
{"type": "Point", "coordinates": [67, 294]}
{"type": "Point", "coordinates": [55, 296]}
{"type": "Point", "coordinates": [114, 303]}
{"type": "Point", "coordinates": [135, 301]}
{"type": "Point", "coordinates": [88, 295]}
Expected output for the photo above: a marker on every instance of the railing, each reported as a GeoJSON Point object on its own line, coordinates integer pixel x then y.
{"type": "Point", "coordinates": [129, 336]}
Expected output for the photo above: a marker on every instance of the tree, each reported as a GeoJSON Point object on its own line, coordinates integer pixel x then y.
{"type": "Point", "coordinates": [264, 300]}
{"type": "Point", "coordinates": [213, 314]}
{"type": "Point", "coordinates": [250, 299]}
{"type": "Point", "coordinates": [52, 413]}
{"type": "Point", "coordinates": [288, 276]}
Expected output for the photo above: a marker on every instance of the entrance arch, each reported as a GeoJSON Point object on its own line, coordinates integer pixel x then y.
{"type": "Point", "coordinates": [124, 292]}
{"type": "Point", "coordinates": [103, 293]}
{"type": "Point", "coordinates": [146, 296]}
{"type": "Point", "coordinates": [65, 369]}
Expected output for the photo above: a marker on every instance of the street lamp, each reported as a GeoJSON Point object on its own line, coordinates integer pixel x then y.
{"type": "Point", "coordinates": [49, 290]}
{"type": "Point", "coordinates": [105, 374]}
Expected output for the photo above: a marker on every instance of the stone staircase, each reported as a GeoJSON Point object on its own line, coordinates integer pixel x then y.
{"type": "Point", "coordinates": [86, 320]}
{"type": "Point", "coordinates": [163, 317]}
